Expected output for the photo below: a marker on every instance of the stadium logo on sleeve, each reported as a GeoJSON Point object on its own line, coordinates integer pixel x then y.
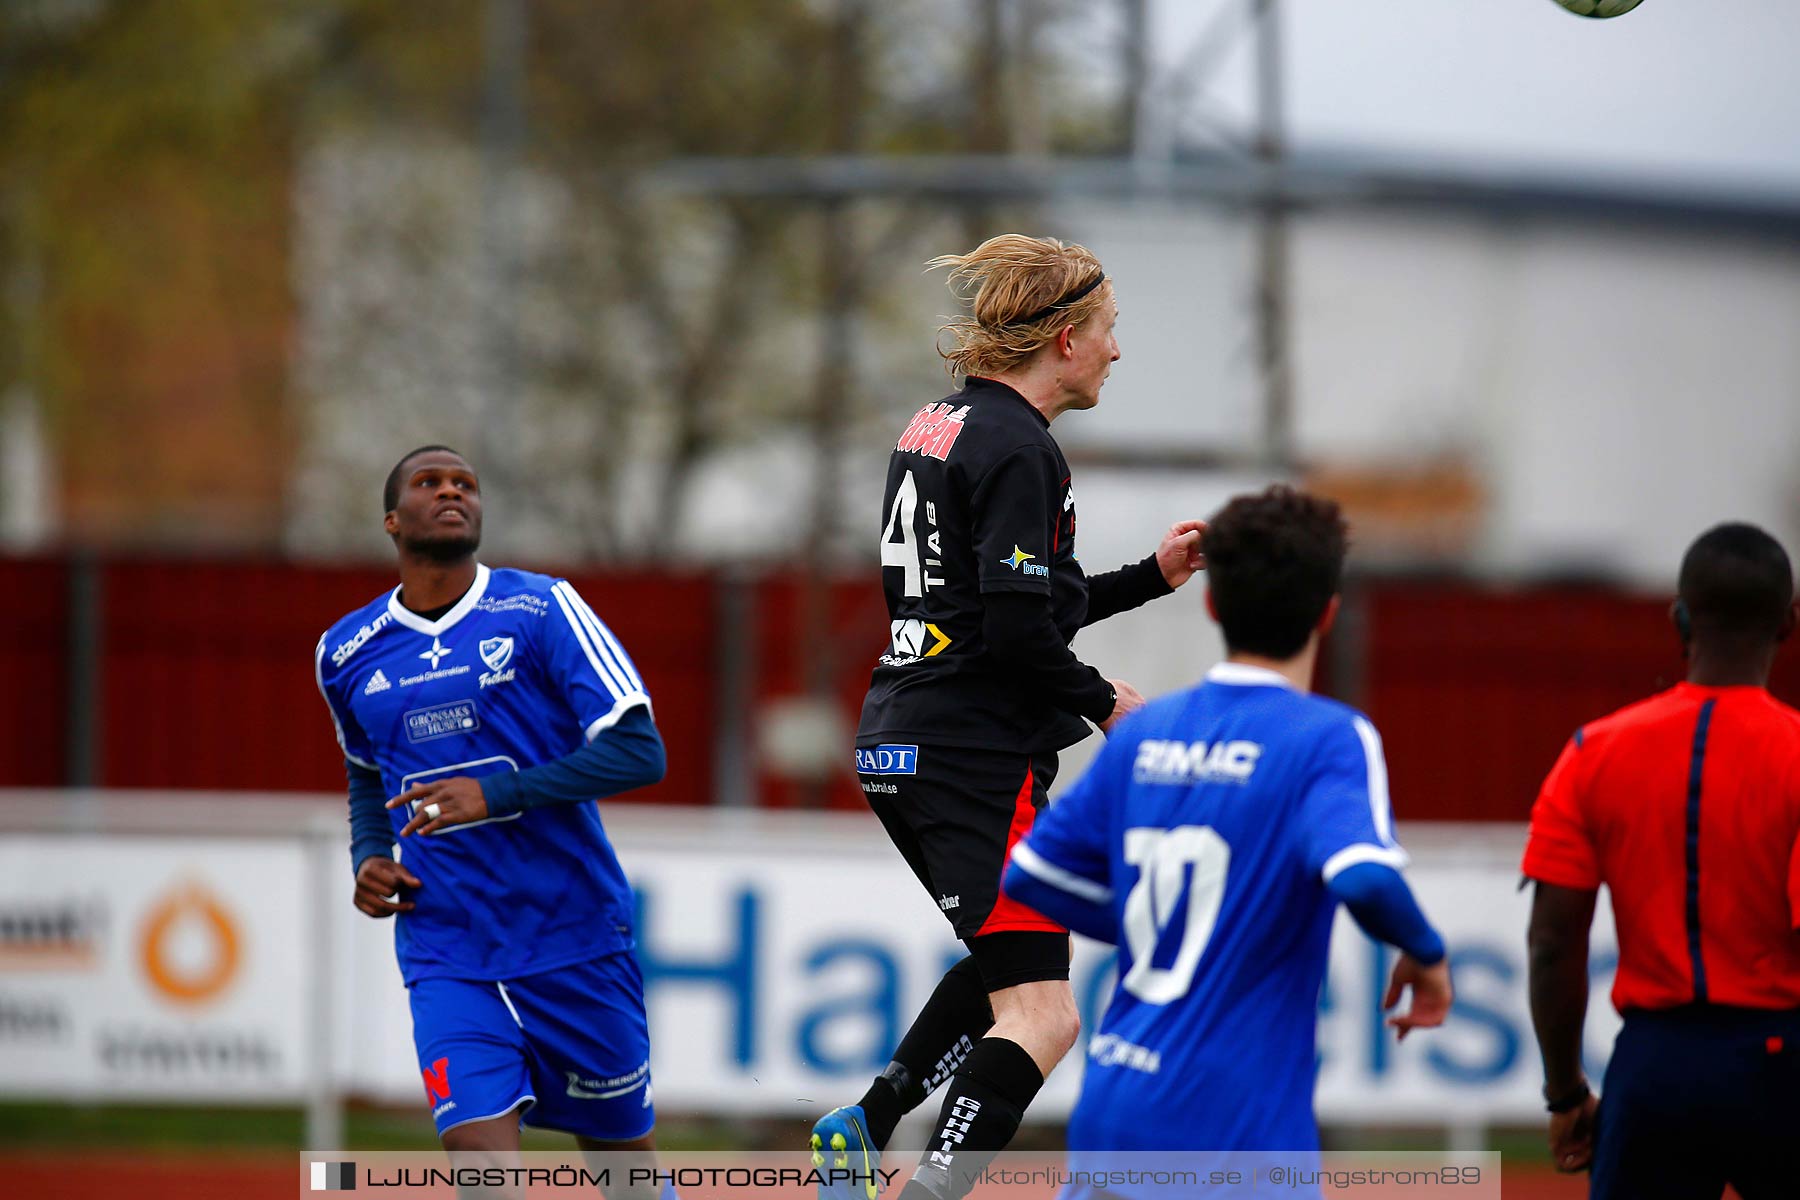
{"type": "Point", "coordinates": [342, 654]}
{"type": "Point", "coordinates": [887, 760]}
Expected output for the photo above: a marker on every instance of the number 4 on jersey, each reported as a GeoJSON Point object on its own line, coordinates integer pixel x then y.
{"type": "Point", "coordinates": [1165, 858]}
{"type": "Point", "coordinates": [904, 552]}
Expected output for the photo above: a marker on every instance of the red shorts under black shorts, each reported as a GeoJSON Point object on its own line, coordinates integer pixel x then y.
{"type": "Point", "coordinates": [954, 814]}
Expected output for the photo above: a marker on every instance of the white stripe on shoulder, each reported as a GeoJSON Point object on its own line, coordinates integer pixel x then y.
{"type": "Point", "coordinates": [609, 648]}
{"type": "Point", "coordinates": [626, 702]}
{"type": "Point", "coordinates": [1040, 868]}
{"type": "Point", "coordinates": [337, 726]}
{"type": "Point", "coordinates": [1379, 807]}
{"type": "Point", "coordinates": [624, 658]}
{"type": "Point", "coordinates": [612, 682]}
{"type": "Point", "coordinates": [1362, 852]}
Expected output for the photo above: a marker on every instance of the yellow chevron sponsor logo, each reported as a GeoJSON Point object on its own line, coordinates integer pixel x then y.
{"type": "Point", "coordinates": [915, 639]}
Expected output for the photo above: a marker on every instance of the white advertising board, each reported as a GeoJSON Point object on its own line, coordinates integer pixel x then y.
{"type": "Point", "coordinates": [783, 956]}
{"type": "Point", "coordinates": [783, 959]}
{"type": "Point", "coordinates": [148, 968]}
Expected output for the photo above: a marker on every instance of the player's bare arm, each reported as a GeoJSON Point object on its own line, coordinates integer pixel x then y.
{"type": "Point", "coordinates": [1558, 940]}
{"type": "Point", "coordinates": [441, 803]}
{"type": "Point", "coordinates": [1572, 1136]}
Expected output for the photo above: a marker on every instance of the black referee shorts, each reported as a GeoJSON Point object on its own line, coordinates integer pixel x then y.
{"type": "Point", "coordinates": [954, 814]}
{"type": "Point", "coordinates": [1699, 1097]}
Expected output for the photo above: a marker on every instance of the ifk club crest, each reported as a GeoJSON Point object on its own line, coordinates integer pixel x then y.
{"type": "Point", "coordinates": [497, 653]}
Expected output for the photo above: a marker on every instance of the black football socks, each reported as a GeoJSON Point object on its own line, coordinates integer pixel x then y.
{"type": "Point", "coordinates": [941, 1038]}
{"type": "Point", "coordinates": [982, 1108]}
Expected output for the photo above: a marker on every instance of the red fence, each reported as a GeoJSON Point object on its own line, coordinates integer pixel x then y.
{"type": "Point", "coordinates": [206, 671]}
{"type": "Point", "coordinates": [1475, 690]}
{"type": "Point", "coordinates": [204, 675]}
{"type": "Point", "coordinates": [33, 672]}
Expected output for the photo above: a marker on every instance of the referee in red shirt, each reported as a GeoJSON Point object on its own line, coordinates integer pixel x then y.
{"type": "Point", "coordinates": [1686, 805]}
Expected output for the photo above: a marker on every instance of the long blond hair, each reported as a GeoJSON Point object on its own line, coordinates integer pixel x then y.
{"type": "Point", "coordinates": [1021, 291]}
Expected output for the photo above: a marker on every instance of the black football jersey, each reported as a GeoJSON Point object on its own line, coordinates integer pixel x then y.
{"type": "Point", "coordinates": [978, 501]}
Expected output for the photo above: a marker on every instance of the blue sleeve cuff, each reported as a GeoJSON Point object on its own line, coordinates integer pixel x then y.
{"type": "Point", "coordinates": [1378, 897]}
{"type": "Point", "coordinates": [1086, 917]}
{"type": "Point", "coordinates": [629, 754]}
{"type": "Point", "coordinates": [502, 793]}
{"type": "Point", "coordinates": [371, 832]}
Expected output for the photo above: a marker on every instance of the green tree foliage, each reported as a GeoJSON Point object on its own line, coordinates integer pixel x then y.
{"type": "Point", "coordinates": [144, 149]}
{"type": "Point", "coordinates": [151, 152]}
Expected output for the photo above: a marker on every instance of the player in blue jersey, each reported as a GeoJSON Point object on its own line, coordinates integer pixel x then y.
{"type": "Point", "coordinates": [481, 712]}
{"type": "Point", "coordinates": [1212, 839]}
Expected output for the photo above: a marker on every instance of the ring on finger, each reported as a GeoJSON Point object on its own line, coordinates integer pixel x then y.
{"type": "Point", "coordinates": [433, 811]}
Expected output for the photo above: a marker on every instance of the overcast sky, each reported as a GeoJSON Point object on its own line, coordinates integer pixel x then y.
{"type": "Point", "coordinates": [1692, 91]}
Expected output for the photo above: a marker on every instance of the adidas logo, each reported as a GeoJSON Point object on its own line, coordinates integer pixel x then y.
{"type": "Point", "coordinates": [377, 683]}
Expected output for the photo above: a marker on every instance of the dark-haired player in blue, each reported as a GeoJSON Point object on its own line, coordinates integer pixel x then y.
{"type": "Point", "coordinates": [481, 712]}
{"type": "Point", "coordinates": [1212, 840]}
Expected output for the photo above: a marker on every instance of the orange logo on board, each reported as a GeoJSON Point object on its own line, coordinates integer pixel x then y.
{"type": "Point", "coordinates": [190, 946]}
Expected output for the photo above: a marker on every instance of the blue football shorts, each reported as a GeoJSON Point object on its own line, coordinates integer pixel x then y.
{"type": "Point", "coordinates": [569, 1048]}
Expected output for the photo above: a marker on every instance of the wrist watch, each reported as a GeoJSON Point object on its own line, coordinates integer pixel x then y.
{"type": "Point", "coordinates": [1568, 1101]}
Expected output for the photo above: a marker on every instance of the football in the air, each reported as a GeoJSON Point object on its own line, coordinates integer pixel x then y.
{"type": "Point", "coordinates": [1599, 8]}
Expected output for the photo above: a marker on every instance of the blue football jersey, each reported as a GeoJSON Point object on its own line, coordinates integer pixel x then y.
{"type": "Point", "coordinates": [518, 673]}
{"type": "Point", "coordinates": [1209, 826]}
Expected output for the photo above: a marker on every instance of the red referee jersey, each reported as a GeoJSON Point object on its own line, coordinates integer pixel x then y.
{"type": "Point", "coordinates": [1687, 806]}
